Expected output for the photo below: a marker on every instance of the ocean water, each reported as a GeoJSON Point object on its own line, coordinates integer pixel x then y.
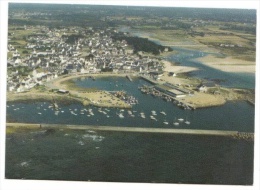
{"type": "Point", "coordinates": [128, 157]}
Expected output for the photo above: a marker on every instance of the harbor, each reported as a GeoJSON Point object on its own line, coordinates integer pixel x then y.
{"type": "Point", "coordinates": [154, 110]}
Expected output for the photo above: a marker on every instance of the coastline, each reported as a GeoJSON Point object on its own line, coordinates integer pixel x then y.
{"type": "Point", "coordinates": [101, 98]}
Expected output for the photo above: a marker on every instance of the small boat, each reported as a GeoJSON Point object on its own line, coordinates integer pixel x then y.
{"type": "Point", "coordinates": [121, 115]}
{"type": "Point", "coordinates": [165, 122]}
{"type": "Point", "coordinates": [162, 112]}
{"type": "Point", "coordinates": [187, 122]}
{"type": "Point", "coordinates": [39, 113]}
{"type": "Point", "coordinates": [181, 119]}
{"type": "Point", "coordinates": [175, 123]}
{"type": "Point", "coordinates": [154, 113]}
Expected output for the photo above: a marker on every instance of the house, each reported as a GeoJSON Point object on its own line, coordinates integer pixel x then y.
{"type": "Point", "coordinates": [61, 91]}
{"type": "Point", "coordinates": [202, 88]}
{"type": "Point", "coordinates": [173, 74]}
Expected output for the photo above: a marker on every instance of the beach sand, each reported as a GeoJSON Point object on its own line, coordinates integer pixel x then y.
{"type": "Point", "coordinates": [169, 67]}
{"type": "Point", "coordinates": [228, 64]}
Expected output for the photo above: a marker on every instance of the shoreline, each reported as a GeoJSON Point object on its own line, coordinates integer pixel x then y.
{"type": "Point", "coordinates": [102, 98]}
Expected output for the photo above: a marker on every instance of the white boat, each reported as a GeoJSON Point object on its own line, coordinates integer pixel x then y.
{"type": "Point", "coordinates": [181, 119]}
{"type": "Point", "coordinates": [175, 123]}
{"type": "Point", "coordinates": [186, 121]}
{"type": "Point", "coordinates": [162, 112]}
{"type": "Point", "coordinates": [39, 113]}
{"type": "Point", "coordinates": [165, 122]}
{"type": "Point", "coordinates": [121, 115]}
{"type": "Point", "coordinates": [152, 117]}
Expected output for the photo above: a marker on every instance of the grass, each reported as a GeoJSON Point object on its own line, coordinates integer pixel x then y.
{"type": "Point", "coordinates": [70, 84]}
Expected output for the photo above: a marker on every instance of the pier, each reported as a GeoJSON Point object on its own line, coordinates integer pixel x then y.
{"type": "Point", "coordinates": [235, 134]}
{"type": "Point", "coordinates": [129, 78]}
{"type": "Point", "coordinates": [148, 79]}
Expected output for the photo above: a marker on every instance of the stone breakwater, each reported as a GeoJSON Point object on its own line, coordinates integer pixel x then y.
{"type": "Point", "coordinates": [233, 134]}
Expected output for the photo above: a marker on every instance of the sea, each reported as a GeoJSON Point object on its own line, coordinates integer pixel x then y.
{"type": "Point", "coordinates": [89, 155]}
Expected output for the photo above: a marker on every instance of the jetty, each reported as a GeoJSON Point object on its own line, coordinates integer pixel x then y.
{"type": "Point", "coordinates": [235, 134]}
{"type": "Point", "coordinates": [129, 78]}
{"type": "Point", "coordinates": [148, 79]}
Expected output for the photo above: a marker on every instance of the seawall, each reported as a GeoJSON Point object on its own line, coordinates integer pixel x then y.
{"type": "Point", "coordinates": [133, 129]}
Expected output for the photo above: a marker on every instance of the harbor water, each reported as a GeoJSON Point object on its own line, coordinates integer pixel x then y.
{"type": "Point", "coordinates": [233, 116]}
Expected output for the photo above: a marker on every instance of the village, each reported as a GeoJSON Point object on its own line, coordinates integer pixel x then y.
{"type": "Point", "coordinates": [50, 56]}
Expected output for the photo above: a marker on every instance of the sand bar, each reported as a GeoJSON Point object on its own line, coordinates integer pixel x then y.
{"type": "Point", "coordinates": [228, 64]}
{"type": "Point", "coordinates": [169, 67]}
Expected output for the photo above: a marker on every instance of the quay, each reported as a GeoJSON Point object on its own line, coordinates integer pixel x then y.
{"type": "Point", "coordinates": [148, 79]}
{"type": "Point", "coordinates": [129, 78]}
{"type": "Point", "coordinates": [235, 134]}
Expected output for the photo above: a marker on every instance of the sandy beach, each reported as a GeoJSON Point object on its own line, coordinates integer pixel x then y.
{"type": "Point", "coordinates": [169, 67]}
{"type": "Point", "coordinates": [228, 64]}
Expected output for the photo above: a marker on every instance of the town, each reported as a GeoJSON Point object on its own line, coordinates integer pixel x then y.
{"type": "Point", "coordinates": [52, 53]}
